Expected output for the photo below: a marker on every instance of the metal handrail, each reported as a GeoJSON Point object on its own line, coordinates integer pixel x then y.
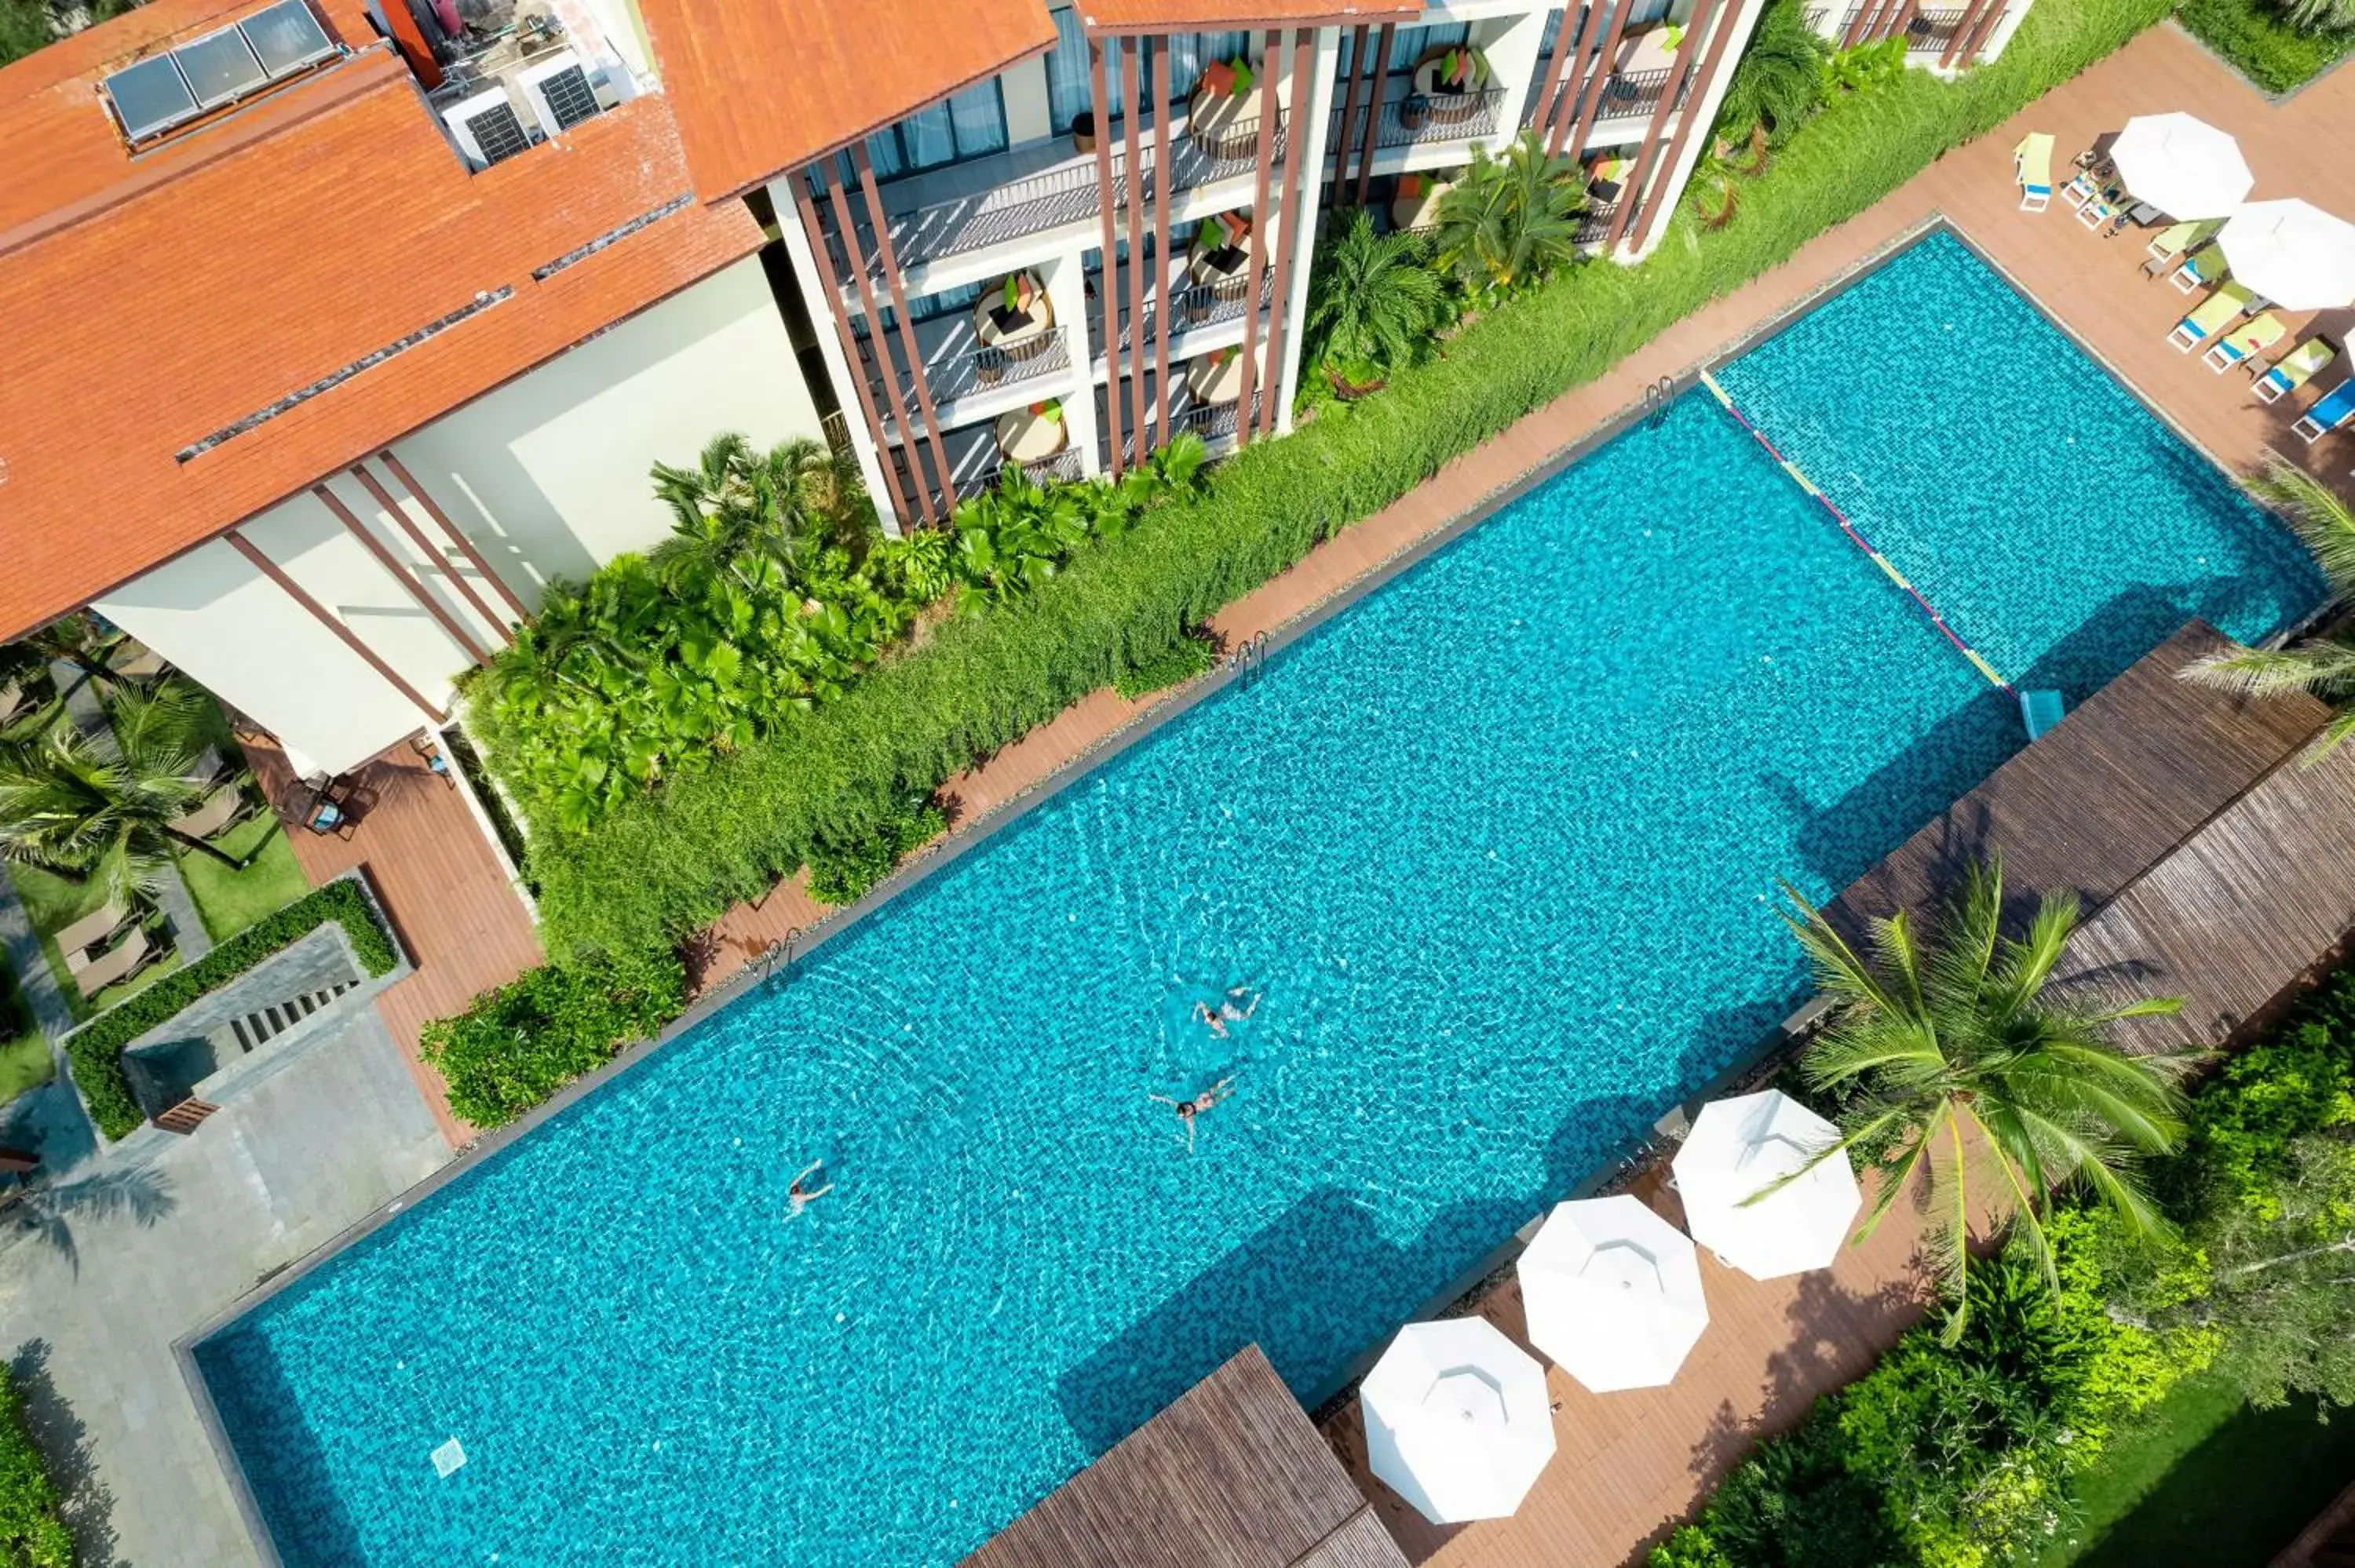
{"type": "Point", "coordinates": [1927, 31]}
{"type": "Point", "coordinates": [952, 376]}
{"type": "Point", "coordinates": [1202, 305]}
{"type": "Point", "coordinates": [1438, 117]}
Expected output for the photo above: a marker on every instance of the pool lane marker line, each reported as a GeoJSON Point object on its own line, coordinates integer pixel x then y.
{"type": "Point", "coordinates": [1857, 538]}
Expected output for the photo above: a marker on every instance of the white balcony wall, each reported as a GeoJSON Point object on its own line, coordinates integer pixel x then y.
{"type": "Point", "coordinates": [1299, 228]}
{"type": "Point", "coordinates": [548, 474]}
{"type": "Point", "coordinates": [1512, 43]}
{"type": "Point", "coordinates": [1701, 110]}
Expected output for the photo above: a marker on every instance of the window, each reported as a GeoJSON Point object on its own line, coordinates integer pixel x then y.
{"type": "Point", "coordinates": [1069, 89]}
{"type": "Point", "coordinates": [926, 308]}
{"type": "Point", "coordinates": [1410, 44]}
{"type": "Point", "coordinates": [1191, 53]}
{"type": "Point", "coordinates": [970, 125]}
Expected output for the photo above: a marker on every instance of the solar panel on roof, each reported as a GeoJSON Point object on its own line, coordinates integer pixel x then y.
{"type": "Point", "coordinates": [286, 36]}
{"type": "Point", "coordinates": [570, 97]}
{"type": "Point", "coordinates": [219, 68]}
{"type": "Point", "coordinates": [149, 97]}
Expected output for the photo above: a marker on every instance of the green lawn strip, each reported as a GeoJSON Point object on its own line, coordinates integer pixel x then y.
{"type": "Point", "coordinates": [2202, 1480]}
{"type": "Point", "coordinates": [96, 1049]}
{"type": "Point", "coordinates": [53, 903]}
{"type": "Point", "coordinates": [662, 866]}
{"type": "Point", "coordinates": [24, 1063]}
{"type": "Point", "coordinates": [230, 900]}
{"type": "Point", "coordinates": [2253, 39]}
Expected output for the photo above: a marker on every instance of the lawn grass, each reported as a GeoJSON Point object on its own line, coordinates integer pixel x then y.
{"type": "Point", "coordinates": [54, 903]}
{"type": "Point", "coordinates": [26, 1063]}
{"type": "Point", "coordinates": [229, 900]}
{"type": "Point", "coordinates": [2205, 1481]}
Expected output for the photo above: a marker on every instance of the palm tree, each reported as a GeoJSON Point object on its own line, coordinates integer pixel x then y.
{"type": "Point", "coordinates": [1372, 299]}
{"type": "Point", "coordinates": [2321, 665]}
{"type": "Point", "coordinates": [1510, 220]}
{"type": "Point", "coordinates": [2321, 15]}
{"type": "Point", "coordinates": [1780, 78]}
{"type": "Point", "coordinates": [1930, 1053]}
{"type": "Point", "coordinates": [739, 504]}
{"type": "Point", "coordinates": [94, 812]}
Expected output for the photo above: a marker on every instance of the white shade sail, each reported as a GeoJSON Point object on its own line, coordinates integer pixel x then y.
{"type": "Point", "coordinates": [2292, 252]}
{"type": "Point", "coordinates": [2182, 165]}
{"type": "Point", "coordinates": [1612, 1293]}
{"type": "Point", "coordinates": [1741, 1147]}
{"type": "Point", "coordinates": [1457, 1421]}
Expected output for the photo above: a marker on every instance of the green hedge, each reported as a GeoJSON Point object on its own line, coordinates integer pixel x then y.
{"type": "Point", "coordinates": [32, 1534]}
{"type": "Point", "coordinates": [515, 1046]}
{"type": "Point", "coordinates": [662, 867]}
{"type": "Point", "coordinates": [2256, 41]}
{"type": "Point", "coordinates": [96, 1048]}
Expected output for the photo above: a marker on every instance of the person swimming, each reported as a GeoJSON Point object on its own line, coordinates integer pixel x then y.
{"type": "Point", "coordinates": [1188, 1110]}
{"type": "Point", "coordinates": [1227, 1011]}
{"type": "Point", "coordinates": [801, 1195]}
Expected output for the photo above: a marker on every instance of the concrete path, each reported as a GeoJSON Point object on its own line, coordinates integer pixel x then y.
{"type": "Point", "coordinates": [35, 978]}
{"type": "Point", "coordinates": [121, 1260]}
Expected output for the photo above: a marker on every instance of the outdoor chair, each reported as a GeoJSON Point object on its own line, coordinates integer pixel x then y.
{"type": "Point", "coordinates": [2079, 191]}
{"type": "Point", "coordinates": [2335, 407]}
{"type": "Point", "coordinates": [2199, 268]}
{"type": "Point", "coordinates": [2031, 167]}
{"type": "Point", "coordinates": [2293, 369]}
{"type": "Point", "coordinates": [2214, 315]}
{"type": "Point", "coordinates": [2244, 342]}
{"type": "Point", "coordinates": [221, 809]}
{"type": "Point", "coordinates": [2167, 246]}
{"type": "Point", "coordinates": [93, 928]}
{"type": "Point", "coordinates": [118, 962]}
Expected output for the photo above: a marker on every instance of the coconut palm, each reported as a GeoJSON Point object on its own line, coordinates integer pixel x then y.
{"type": "Point", "coordinates": [2321, 15]}
{"type": "Point", "coordinates": [1780, 79]}
{"type": "Point", "coordinates": [1933, 1053]}
{"type": "Point", "coordinates": [2324, 666]}
{"type": "Point", "coordinates": [101, 810]}
{"type": "Point", "coordinates": [738, 504]}
{"type": "Point", "coordinates": [1510, 220]}
{"type": "Point", "coordinates": [1372, 299]}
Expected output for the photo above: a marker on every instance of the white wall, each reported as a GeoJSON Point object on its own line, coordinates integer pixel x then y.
{"type": "Point", "coordinates": [548, 475]}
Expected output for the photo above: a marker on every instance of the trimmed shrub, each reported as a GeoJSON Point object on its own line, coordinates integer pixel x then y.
{"type": "Point", "coordinates": [841, 873]}
{"type": "Point", "coordinates": [1173, 666]}
{"type": "Point", "coordinates": [518, 1045]}
{"type": "Point", "coordinates": [96, 1048]}
{"type": "Point", "coordinates": [32, 1535]}
{"type": "Point", "coordinates": [2257, 41]}
{"type": "Point", "coordinates": [660, 867]}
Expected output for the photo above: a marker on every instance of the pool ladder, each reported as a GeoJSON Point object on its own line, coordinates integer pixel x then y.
{"type": "Point", "coordinates": [1248, 660]}
{"type": "Point", "coordinates": [779, 958]}
{"type": "Point", "coordinates": [1656, 397]}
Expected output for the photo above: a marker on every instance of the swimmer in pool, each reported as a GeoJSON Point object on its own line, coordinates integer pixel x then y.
{"type": "Point", "coordinates": [801, 1195]}
{"type": "Point", "coordinates": [1227, 1011]}
{"type": "Point", "coordinates": [1188, 1111]}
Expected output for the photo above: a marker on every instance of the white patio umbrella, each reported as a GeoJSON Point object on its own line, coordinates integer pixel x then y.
{"type": "Point", "coordinates": [2182, 165]}
{"type": "Point", "coordinates": [2292, 252]}
{"type": "Point", "coordinates": [1741, 1147]}
{"type": "Point", "coordinates": [1612, 1293]}
{"type": "Point", "coordinates": [1457, 1421]}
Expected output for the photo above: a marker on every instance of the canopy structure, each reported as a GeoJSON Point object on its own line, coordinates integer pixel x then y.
{"type": "Point", "coordinates": [2293, 253]}
{"type": "Point", "coordinates": [1741, 1147]}
{"type": "Point", "coordinates": [1457, 1421]}
{"type": "Point", "coordinates": [2182, 165]}
{"type": "Point", "coordinates": [1612, 1293]}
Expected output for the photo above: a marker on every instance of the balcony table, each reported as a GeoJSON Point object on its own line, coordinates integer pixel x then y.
{"type": "Point", "coordinates": [1446, 105]}
{"type": "Point", "coordinates": [1029, 338]}
{"type": "Point", "coordinates": [1024, 437]}
{"type": "Point", "coordinates": [1224, 125]}
{"type": "Point", "coordinates": [1223, 269]}
{"type": "Point", "coordinates": [1213, 380]}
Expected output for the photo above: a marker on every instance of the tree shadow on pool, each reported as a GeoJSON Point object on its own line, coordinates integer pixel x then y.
{"type": "Point", "coordinates": [279, 1457]}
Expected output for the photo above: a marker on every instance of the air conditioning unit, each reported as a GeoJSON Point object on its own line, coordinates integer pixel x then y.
{"type": "Point", "coordinates": [560, 92]}
{"type": "Point", "coordinates": [487, 127]}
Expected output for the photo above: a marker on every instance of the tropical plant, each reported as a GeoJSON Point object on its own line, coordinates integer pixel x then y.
{"type": "Point", "coordinates": [1866, 67]}
{"type": "Point", "coordinates": [2323, 666]}
{"type": "Point", "coordinates": [2320, 16]}
{"type": "Point", "coordinates": [515, 1046]}
{"type": "Point", "coordinates": [1509, 221]}
{"type": "Point", "coordinates": [1957, 1056]}
{"type": "Point", "coordinates": [739, 505]}
{"type": "Point", "coordinates": [33, 1532]}
{"type": "Point", "coordinates": [1781, 79]}
{"type": "Point", "coordinates": [1372, 299]}
{"type": "Point", "coordinates": [844, 873]}
{"type": "Point", "coordinates": [99, 809]}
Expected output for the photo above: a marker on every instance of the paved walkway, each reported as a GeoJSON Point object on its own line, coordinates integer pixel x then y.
{"type": "Point", "coordinates": [128, 1256]}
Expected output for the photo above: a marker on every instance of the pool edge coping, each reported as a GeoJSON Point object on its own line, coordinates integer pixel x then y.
{"type": "Point", "coordinates": [1165, 708]}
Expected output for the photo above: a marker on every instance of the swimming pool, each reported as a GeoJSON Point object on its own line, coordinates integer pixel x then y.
{"type": "Point", "coordinates": [1494, 849]}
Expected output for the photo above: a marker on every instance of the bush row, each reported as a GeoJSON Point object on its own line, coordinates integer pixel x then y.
{"type": "Point", "coordinates": [32, 1533]}
{"type": "Point", "coordinates": [518, 1045]}
{"type": "Point", "coordinates": [658, 868]}
{"type": "Point", "coordinates": [2257, 41]}
{"type": "Point", "coordinates": [96, 1048]}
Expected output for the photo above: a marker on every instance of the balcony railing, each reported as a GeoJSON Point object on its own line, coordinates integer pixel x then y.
{"type": "Point", "coordinates": [956, 375]}
{"type": "Point", "coordinates": [1594, 222]}
{"type": "Point", "coordinates": [1203, 305]}
{"type": "Point", "coordinates": [1063, 194]}
{"type": "Point", "coordinates": [1926, 32]}
{"type": "Point", "coordinates": [1409, 117]}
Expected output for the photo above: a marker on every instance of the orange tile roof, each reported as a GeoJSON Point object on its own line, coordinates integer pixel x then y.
{"type": "Point", "coordinates": [764, 86]}
{"type": "Point", "coordinates": [1161, 16]}
{"type": "Point", "coordinates": [159, 301]}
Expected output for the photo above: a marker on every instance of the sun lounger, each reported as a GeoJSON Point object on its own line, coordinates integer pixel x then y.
{"type": "Point", "coordinates": [2244, 342]}
{"type": "Point", "coordinates": [118, 962]}
{"type": "Point", "coordinates": [93, 928]}
{"type": "Point", "coordinates": [2214, 315]}
{"type": "Point", "coordinates": [2337, 406]}
{"type": "Point", "coordinates": [2040, 711]}
{"type": "Point", "coordinates": [2199, 268]}
{"type": "Point", "coordinates": [135, 660]}
{"type": "Point", "coordinates": [2167, 246]}
{"type": "Point", "coordinates": [2031, 165]}
{"type": "Point", "coordinates": [222, 807]}
{"type": "Point", "coordinates": [2079, 191]}
{"type": "Point", "coordinates": [2295, 369]}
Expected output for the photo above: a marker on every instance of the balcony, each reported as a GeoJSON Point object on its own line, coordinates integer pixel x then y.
{"type": "Point", "coordinates": [1030, 189]}
{"type": "Point", "coordinates": [1200, 307]}
{"type": "Point", "coordinates": [1408, 118]}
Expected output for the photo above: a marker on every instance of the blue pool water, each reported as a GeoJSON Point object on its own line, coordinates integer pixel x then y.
{"type": "Point", "coordinates": [1495, 848]}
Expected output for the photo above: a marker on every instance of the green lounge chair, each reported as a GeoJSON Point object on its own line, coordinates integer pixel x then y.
{"type": "Point", "coordinates": [2214, 315]}
{"type": "Point", "coordinates": [2244, 342]}
{"type": "Point", "coordinates": [2295, 369]}
{"type": "Point", "coordinates": [2199, 268]}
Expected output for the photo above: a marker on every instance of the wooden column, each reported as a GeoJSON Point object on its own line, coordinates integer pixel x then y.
{"type": "Point", "coordinates": [1349, 103]}
{"type": "Point", "coordinates": [1563, 114]}
{"type": "Point", "coordinates": [851, 354]}
{"type": "Point", "coordinates": [1904, 18]}
{"type": "Point", "coordinates": [856, 255]}
{"type": "Point", "coordinates": [399, 514]}
{"type": "Point", "coordinates": [1271, 50]}
{"type": "Point", "coordinates": [457, 535]}
{"type": "Point", "coordinates": [1590, 99]}
{"type": "Point", "coordinates": [907, 328]}
{"type": "Point", "coordinates": [1631, 194]}
{"type": "Point", "coordinates": [1132, 193]}
{"type": "Point", "coordinates": [1728, 16]}
{"type": "Point", "coordinates": [1164, 320]}
{"type": "Point", "coordinates": [1971, 33]}
{"type": "Point", "coordinates": [1565, 44]}
{"type": "Point", "coordinates": [1295, 212]}
{"type": "Point", "coordinates": [398, 569]}
{"type": "Point", "coordinates": [344, 634]}
{"type": "Point", "coordinates": [1379, 67]}
{"type": "Point", "coordinates": [1110, 276]}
